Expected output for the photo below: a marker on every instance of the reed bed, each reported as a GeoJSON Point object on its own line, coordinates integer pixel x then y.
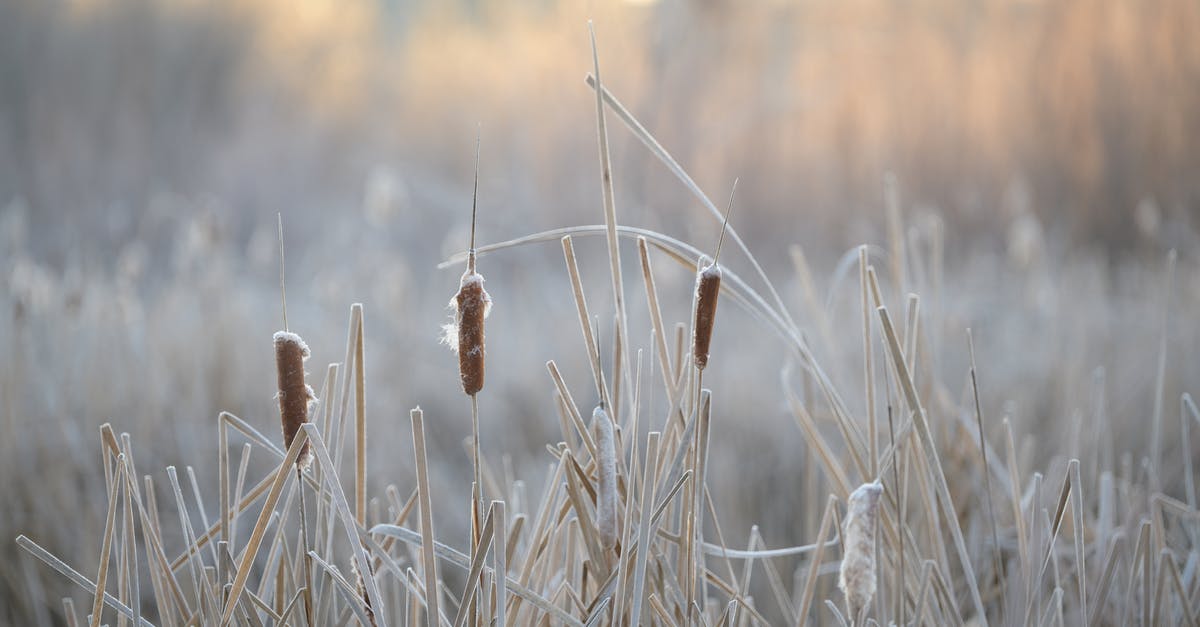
{"type": "Point", "coordinates": [625, 530]}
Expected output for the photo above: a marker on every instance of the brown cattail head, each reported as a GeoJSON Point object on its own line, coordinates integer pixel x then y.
{"type": "Point", "coordinates": [465, 336]}
{"type": "Point", "coordinates": [606, 490]}
{"type": "Point", "coordinates": [294, 394]}
{"type": "Point", "coordinates": [857, 577]}
{"type": "Point", "coordinates": [708, 285]}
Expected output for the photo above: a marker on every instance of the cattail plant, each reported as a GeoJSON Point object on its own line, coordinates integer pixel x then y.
{"type": "Point", "coordinates": [857, 576]}
{"type": "Point", "coordinates": [606, 464]}
{"type": "Point", "coordinates": [294, 397]}
{"type": "Point", "coordinates": [471, 305]}
{"type": "Point", "coordinates": [294, 394]}
{"type": "Point", "coordinates": [708, 286]}
{"type": "Point", "coordinates": [465, 336]}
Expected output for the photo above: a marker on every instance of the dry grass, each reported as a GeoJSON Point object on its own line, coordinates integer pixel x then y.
{"type": "Point", "coordinates": [626, 528]}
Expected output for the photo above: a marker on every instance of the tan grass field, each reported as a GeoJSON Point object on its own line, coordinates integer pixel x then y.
{"type": "Point", "coordinates": [939, 374]}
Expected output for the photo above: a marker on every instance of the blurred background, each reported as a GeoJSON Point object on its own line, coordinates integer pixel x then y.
{"type": "Point", "coordinates": [1045, 156]}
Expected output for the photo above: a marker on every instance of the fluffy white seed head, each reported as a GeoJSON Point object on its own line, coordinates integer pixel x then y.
{"type": "Point", "coordinates": [857, 577]}
{"type": "Point", "coordinates": [606, 493]}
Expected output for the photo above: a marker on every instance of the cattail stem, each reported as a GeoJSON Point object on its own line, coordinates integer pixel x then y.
{"type": "Point", "coordinates": [696, 574]}
{"type": "Point", "coordinates": [282, 266]}
{"type": "Point", "coordinates": [308, 609]}
{"type": "Point", "coordinates": [725, 223]}
{"type": "Point", "coordinates": [474, 204]}
{"type": "Point", "coordinates": [476, 503]}
{"type": "Point", "coordinates": [475, 455]}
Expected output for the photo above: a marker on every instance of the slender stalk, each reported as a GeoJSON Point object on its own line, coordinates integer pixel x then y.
{"type": "Point", "coordinates": [360, 425]}
{"type": "Point", "coordinates": [610, 210]}
{"type": "Point", "coordinates": [998, 561]}
{"type": "Point", "coordinates": [427, 538]}
{"type": "Point", "coordinates": [308, 581]}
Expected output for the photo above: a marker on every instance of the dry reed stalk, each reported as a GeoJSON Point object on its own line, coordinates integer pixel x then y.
{"type": "Point", "coordinates": [106, 548]}
{"type": "Point", "coordinates": [223, 481]}
{"type": "Point", "coordinates": [453, 556]}
{"type": "Point", "coordinates": [610, 224]}
{"type": "Point", "coordinates": [581, 309]}
{"type": "Point", "coordinates": [338, 433]}
{"type": "Point", "coordinates": [606, 491]}
{"type": "Point", "coordinates": [1160, 377]}
{"type": "Point", "coordinates": [618, 365]}
{"type": "Point", "coordinates": [773, 577]}
{"type": "Point", "coordinates": [76, 577]}
{"type": "Point", "coordinates": [201, 585]}
{"type": "Point", "coordinates": [660, 335]}
{"type": "Point", "coordinates": [260, 527]}
{"type": "Point", "coordinates": [808, 288]}
{"type": "Point", "coordinates": [857, 576]}
{"type": "Point", "coordinates": [360, 417]}
{"type": "Point", "coordinates": [644, 525]}
{"type": "Point", "coordinates": [369, 596]}
{"type": "Point", "coordinates": [151, 532]}
{"type": "Point", "coordinates": [912, 326]}
{"type": "Point", "coordinates": [360, 587]}
{"type": "Point", "coordinates": [128, 556]}
{"type": "Point", "coordinates": [895, 232]}
{"type": "Point", "coordinates": [579, 492]}
{"type": "Point", "coordinates": [500, 563]}
{"type": "Point", "coordinates": [427, 539]}
{"type": "Point", "coordinates": [997, 560]}
{"type": "Point", "coordinates": [478, 557]}
{"type": "Point", "coordinates": [360, 458]}
{"type": "Point", "coordinates": [810, 582]}
{"type": "Point", "coordinates": [929, 449]}
{"type": "Point", "coordinates": [344, 589]}
{"type": "Point", "coordinates": [69, 611]}
{"type": "Point", "coordinates": [868, 363]}
{"type": "Point", "coordinates": [624, 563]}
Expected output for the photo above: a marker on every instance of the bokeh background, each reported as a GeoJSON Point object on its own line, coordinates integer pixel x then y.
{"type": "Point", "coordinates": [1044, 151]}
